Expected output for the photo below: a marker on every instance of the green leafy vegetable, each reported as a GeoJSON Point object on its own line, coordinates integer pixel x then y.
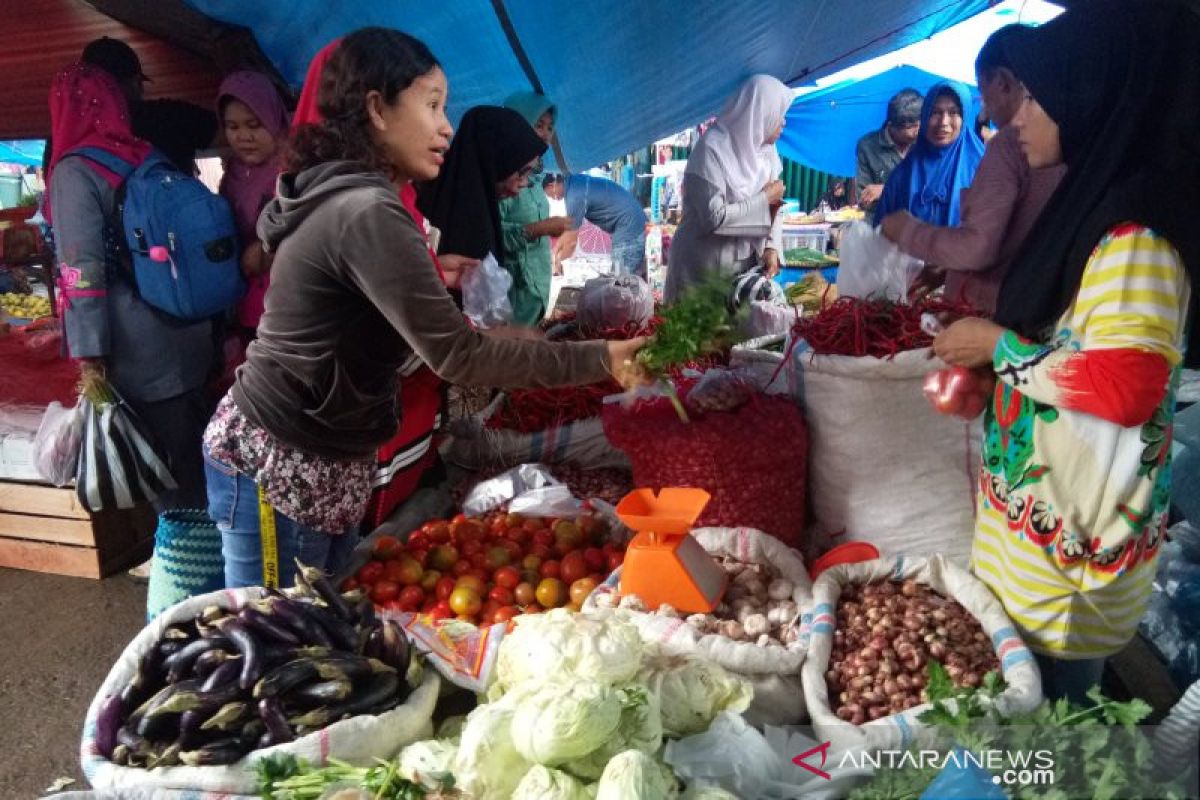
{"type": "Point", "coordinates": [284, 777]}
{"type": "Point", "coordinates": [698, 324]}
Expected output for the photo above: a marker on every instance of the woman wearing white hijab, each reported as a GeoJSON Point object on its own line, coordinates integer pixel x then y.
{"type": "Point", "coordinates": [731, 190]}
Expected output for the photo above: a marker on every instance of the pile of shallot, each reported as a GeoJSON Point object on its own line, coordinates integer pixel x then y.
{"type": "Point", "coordinates": [887, 632]}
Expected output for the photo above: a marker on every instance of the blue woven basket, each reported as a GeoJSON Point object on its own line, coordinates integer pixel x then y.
{"type": "Point", "coordinates": [187, 559]}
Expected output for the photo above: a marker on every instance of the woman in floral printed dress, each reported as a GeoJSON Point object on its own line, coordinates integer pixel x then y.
{"type": "Point", "coordinates": [1090, 332]}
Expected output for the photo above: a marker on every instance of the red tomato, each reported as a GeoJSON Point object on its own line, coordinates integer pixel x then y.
{"type": "Point", "coordinates": [541, 551]}
{"type": "Point", "coordinates": [369, 573]}
{"type": "Point", "coordinates": [420, 556]}
{"type": "Point", "coordinates": [392, 570]}
{"type": "Point", "coordinates": [438, 531]}
{"type": "Point", "coordinates": [489, 608]}
{"type": "Point", "coordinates": [442, 610]}
{"type": "Point", "coordinates": [496, 526]}
{"type": "Point", "coordinates": [443, 557]}
{"type": "Point", "coordinates": [459, 517]}
{"type": "Point", "coordinates": [481, 573]}
{"type": "Point", "coordinates": [418, 541]}
{"type": "Point", "coordinates": [972, 406]}
{"type": "Point", "coordinates": [567, 531]}
{"type": "Point", "coordinates": [504, 614]}
{"type": "Point", "coordinates": [543, 537]}
{"type": "Point", "coordinates": [479, 560]}
{"type": "Point", "coordinates": [593, 527]}
{"type": "Point", "coordinates": [615, 560]}
{"type": "Point", "coordinates": [514, 550]}
{"type": "Point", "coordinates": [444, 587]}
{"type": "Point", "coordinates": [472, 582]}
{"type": "Point", "coordinates": [410, 572]}
{"type": "Point", "coordinates": [460, 568]}
{"type": "Point", "coordinates": [532, 524]}
{"type": "Point", "coordinates": [598, 577]}
{"type": "Point", "coordinates": [524, 593]}
{"type": "Point", "coordinates": [384, 590]}
{"type": "Point", "coordinates": [497, 557]}
{"type": "Point", "coordinates": [349, 585]}
{"type": "Point", "coordinates": [532, 608]}
{"type": "Point", "coordinates": [518, 535]}
{"type": "Point", "coordinates": [394, 605]}
{"type": "Point", "coordinates": [595, 558]}
{"type": "Point", "coordinates": [580, 590]}
{"type": "Point", "coordinates": [386, 547]}
{"type": "Point", "coordinates": [531, 562]}
{"type": "Point", "coordinates": [429, 580]}
{"type": "Point", "coordinates": [412, 596]}
{"type": "Point", "coordinates": [550, 569]}
{"type": "Point", "coordinates": [429, 605]}
{"type": "Point", "coordinates": [513, 520]}
{"type": "Point", "coordinates": [465, 601]}
{"type": "Point", "coordinates": [470, 548]}
{"type": "Point", "coordinates": [508, 577]}
{"type": "Point", "coordinates": [501, 595]}
{"type": "Point", "coordinates": [466, 530]}
{"type": "Point", "coordinates": [573, 567]}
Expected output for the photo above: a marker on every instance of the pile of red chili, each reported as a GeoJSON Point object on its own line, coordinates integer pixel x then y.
{"type": "Point", "coordinates": [530, 410]}
{"type": "Point", "coordinates": [852, 326]}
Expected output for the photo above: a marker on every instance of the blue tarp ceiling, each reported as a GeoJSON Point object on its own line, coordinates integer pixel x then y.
{"type": "Point", "coordinates": [622, 73]}
{"type": "Point", "coordinates": [27, 153]}
{"type": "Point", "coordinates": [824, 126]}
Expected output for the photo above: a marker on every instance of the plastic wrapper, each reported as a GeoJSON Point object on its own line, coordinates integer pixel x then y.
{"type": "Point", "coordinates": [485, 294]}
{"type": "Point", "coordinates": [614, 302]}
{"type": "Point", "coordinates": [872, 266]}
{"type": "Point", "coordinates": [56, 445]}
{"type": "Point", "coordinates": [1172, 620]}
{"type": "Point", "coordinates": [719, 390]}
{"type": "Point", "coordinates": [531, 484]}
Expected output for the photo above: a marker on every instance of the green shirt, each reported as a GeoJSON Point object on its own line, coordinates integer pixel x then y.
{"type": "Point", "coordinates": [527, 261]}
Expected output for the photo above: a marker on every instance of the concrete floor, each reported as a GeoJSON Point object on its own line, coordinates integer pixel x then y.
{"type": "Point", "coordinates": [58, 639]}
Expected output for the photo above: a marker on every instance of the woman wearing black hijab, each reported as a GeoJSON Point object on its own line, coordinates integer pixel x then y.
{"type": "Point", "coordinates": [491, 156]}
{"type": "Point", "coordinates": [1090, 332]}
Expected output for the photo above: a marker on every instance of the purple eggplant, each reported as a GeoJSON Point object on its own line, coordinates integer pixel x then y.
{"type": "Point", "coordinates": [229, 717]}
{"type": "Point", "coordinates": [319, 693]}
{"type": "Point", "coordinates": [208, 661]}
{"type": "Point", "coordinates": [108, 722]}
{"type": "Point", "coordinates": [271, 629]}
{"type": "Point", "coordinates": [222, 751]}
{"type": "Point", "coordinates": [379, 694]}
{"type": "Point", "coordinates": [270, 711]}
{"type": "Point", "coordinates": [282, 679]}
{"type": "Point", "coordinates": [226, 673]}
{"type": "Point", "coordinates": [294, 614]}
{"type": "Point", "coordinates": [249, 648]}
{"type": "Point", "coordinates": [317, 581]}
{"type": "Point", "coordinates": [180, 664]}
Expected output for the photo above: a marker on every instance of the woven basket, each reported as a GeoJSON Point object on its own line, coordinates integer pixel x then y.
{"type": "Point", "coordinates": [187, 559]}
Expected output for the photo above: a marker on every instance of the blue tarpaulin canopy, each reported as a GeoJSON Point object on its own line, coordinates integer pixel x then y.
{"type": "Point", "coordinates": [25, 153]}
{"type": "Point", "coordinates": [824, 126]}
{"type": "Point", "coordinates": [622, 74]}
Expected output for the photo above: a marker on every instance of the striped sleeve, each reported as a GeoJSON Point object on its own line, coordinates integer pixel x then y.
{"type": "Point", "coordinates": [1125, 328]}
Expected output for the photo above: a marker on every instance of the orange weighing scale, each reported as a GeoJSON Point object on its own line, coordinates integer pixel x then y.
{"type": "Point", "coordinates": [664, 563]}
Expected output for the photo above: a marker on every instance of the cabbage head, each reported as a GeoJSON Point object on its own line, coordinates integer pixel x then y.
{"type": "Point", "coordinates": [567, 646]}
{"type": "Point", "coordinates": [559, 721]}
{"type": "Point", "coordinates": [488, 765]}
{"type": "Point", "coordinates": [692, 691]}
{"type": "Point", "coordinates": [635, 774]}
{"type": "Point", "coordinates": [543, 783]}
{"type": "Point", "coordinates": [640, 728]}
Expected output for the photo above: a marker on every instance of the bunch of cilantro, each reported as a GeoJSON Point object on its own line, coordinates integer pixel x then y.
{"type": "Point", "coordinates": [1098, 752]}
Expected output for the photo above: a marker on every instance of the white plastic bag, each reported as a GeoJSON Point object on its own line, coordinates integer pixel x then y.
{"type": "Point", "coordinates": [612, 302]}
{"type": "Point", "coordinates": [56, 445]}
{"type": "Point", "coordinates": [872, 266]}
{"type": "Point", "coordinates": [485, 294]}
{"type": "Point", "coordinates": [898, 731]}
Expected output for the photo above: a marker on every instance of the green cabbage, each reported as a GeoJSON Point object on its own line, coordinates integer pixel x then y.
{"type": "Point", "coordinates": [488, 765]}
{"type": "Point", "coordinates": [692, 691]}
{"type": "Point", "coordinates": [635, 774]}
{"type": "Point", "coordinates": [640, 728]}
{"type": "Point", "coordinates": [543, 783]}
{"type": "Point", "coordinates": [559, 722]}
{"type": "Point", "coordinates": [427, 762]}
{"type": "Point", "coordinates": [567, 646]}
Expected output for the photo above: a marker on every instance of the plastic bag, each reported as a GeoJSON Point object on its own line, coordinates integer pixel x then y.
{"type": "Point", "coordinates": [507, 486]}
{"type": "Point", "coordinates": [719, 390]}
{"type": "Point", "coordinates": [485, 294]}
{"type": "Point", "coordinates": [767, 318]}
{"type": "Point", "coordinates": [613, 302]}
{"type": "Point", "coordinates": [118, 466]}
{"type": "Point", "coordinates": [872, 266]}
{"type": "Point", "coordinates": [56, 445]}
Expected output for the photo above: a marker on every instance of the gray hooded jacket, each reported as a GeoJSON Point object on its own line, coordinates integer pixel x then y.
{"type": "Point", "coordinates": [353, 294]}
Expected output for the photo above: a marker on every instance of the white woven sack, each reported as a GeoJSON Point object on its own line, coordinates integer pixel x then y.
{"type": "Point", "coordinates": [475, 446]}
{"type": "Point", "coordinates": [358, 740]}
{"type": "Point", "coordinates": [773, 671]}
{"type": "Point", "coordinates": [898, 731]}
{"type": "Point", "coordinates": [884, 466]}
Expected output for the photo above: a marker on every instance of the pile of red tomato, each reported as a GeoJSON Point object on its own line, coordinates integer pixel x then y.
{"type": "Point", "coordinates": [490, 569]}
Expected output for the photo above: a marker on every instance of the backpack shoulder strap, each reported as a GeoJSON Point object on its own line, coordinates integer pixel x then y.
{"type": "Point", "coordinates": [114, 164]}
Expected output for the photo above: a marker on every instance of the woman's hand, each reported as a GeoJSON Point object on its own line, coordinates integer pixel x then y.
{"type": "Point", "coordinates": [454, 268]}
{"type": "Point", "coordinates": [870, 194]}
{"type": "Point", "coordinates": [774, 192]}
{"type": "Point", "coordinates": [893, 224]}
{"type": "Point", "coordinates": [255, 261]}
{"type": "Point", "coordinates": [622, 362]}
{"type": "Point", "coordinates": [969, 342]}
{"type": "Point", "coordinates": [551, 226]}
{"type": "Point", "coordinates": [770, 260]}
{"type": "Point", "coordinates": [929, 280]}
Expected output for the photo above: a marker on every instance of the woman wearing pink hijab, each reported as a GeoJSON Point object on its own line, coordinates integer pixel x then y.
{"type": "Point", "coordinates": [256, 126]}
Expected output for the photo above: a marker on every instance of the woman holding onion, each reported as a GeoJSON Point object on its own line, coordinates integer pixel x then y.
{"type": "Point", "coordinates": [1090, 332]}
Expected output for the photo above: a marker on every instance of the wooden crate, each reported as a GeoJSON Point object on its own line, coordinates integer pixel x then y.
{"type": "Point", "coordinates": [45, 529]}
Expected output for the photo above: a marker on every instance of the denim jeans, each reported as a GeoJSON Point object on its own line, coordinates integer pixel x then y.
{"type": "Point", "coordinates": [1069, 678]}
{"type": "Point", "coordinates": [233, 505]}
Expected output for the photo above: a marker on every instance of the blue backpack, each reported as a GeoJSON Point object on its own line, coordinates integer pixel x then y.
{"type": "Point", "coordinates": [181, 237]}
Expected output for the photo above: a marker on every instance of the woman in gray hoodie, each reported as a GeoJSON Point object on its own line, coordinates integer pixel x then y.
{"type": "Point", "coordinates": [353, 294]}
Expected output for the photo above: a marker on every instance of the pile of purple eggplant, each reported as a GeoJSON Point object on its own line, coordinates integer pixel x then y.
{"type": "Point", "coordinates": [227, 682]}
